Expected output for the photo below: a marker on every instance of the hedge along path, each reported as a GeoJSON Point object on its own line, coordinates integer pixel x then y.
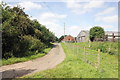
{"type": "Point", "coordinates": [54, 57]}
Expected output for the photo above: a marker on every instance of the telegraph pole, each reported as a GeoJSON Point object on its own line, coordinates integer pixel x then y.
{"type": "Point", "coordinates": [64, 30]}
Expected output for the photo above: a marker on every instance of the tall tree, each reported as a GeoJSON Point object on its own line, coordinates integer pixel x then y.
{"type": "Point", "coordinates": [20, 35]}
{"type": "Point", "coordinates": [96, 32]}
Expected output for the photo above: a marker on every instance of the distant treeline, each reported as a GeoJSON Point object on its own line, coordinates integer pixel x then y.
{"type": "Point", "coordinates": [20, 35]}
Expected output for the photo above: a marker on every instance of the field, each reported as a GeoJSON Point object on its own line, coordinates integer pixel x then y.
{"type": "Point", "coordinates": [82, 62]}
{"type": "Point", "coordinates": [23, 59]}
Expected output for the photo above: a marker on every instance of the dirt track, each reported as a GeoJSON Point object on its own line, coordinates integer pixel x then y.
{"type": "Point", "coordinates": [54, 57]}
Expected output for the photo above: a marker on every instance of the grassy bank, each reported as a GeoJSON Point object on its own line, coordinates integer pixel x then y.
{"type": "Point", "coordinates": [105, 47]}
{"type": "Point", "coordinates": [23, 59]}
{"type": "Point", "coordinates": [74, 66]}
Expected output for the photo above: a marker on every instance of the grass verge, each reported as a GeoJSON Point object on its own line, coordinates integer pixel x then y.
{"type": "Point", "coordinates": [74, 67]}
{"type": "Point", "coordinates": [23, 59]}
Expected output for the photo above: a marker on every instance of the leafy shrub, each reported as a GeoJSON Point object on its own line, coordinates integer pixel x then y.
{"type": "Point", "coordinates": [102, 48]}
{"type": "Point", "coordinates": [34, 44]}
{"type": "Point", "coordinates": [22, 36]}
{"type": "Point", "coordinates": [7, 55]}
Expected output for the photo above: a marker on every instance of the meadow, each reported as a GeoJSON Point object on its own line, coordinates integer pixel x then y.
{"type": "Point", "coordinates": [82, 63]}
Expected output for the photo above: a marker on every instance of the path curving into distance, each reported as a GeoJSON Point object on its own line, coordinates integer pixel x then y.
{"type": "Point", "coordinates": [50, 60]}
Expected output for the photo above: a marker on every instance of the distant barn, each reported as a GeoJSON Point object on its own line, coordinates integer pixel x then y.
{"type": "Point", "coordinates": [68, 38]}
{"type": "Point", "coordinates": [83, 36]}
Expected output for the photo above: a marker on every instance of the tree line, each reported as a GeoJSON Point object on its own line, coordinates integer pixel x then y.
{"type": "Point", "coordinates": [22, 36]}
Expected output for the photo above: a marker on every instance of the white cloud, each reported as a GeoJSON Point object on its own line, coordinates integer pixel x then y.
{"type": "Point", "coordinates": [108, 27]}
{"type": "Point", "coordinates": [59, 0]}
{"type": "Point", "coordinates": [73, 30]}
{"type": "Point", "coordinates": [52, 22]}
{"type": "Point", "coordinates": [48, 16]}
{"type": "Point", "coordinates": [106, 11]}
{"type": "Point", "coordinates": [73, 4]}
{"type": "Point", "coordinates": [105, 26]}
{"type": "Point", "coordinates": [107, 16]}
{"type": "Point", "coordinates": [108, 19]}
{"type": "Point", "coordinates": [30, 5]}
{"type": "Point", "coordinates": [94, 4]}
{"type": "Point", "coordinates": [81, 8]}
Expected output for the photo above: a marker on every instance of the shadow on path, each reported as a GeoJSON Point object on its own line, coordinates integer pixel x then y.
{"type": "Point", "coordinates": [49, 61]}
{"type": "Point", "coordinates": [16, 73]}
{"type": "Point", "coordinates": [55, 45]}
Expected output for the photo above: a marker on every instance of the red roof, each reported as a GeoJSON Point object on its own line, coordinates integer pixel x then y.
{"type": "Point", "coordinates": [69, 38]}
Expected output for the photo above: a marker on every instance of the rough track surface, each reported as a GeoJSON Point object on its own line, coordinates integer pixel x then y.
{"type": "Point", "coordinates": [54, 57]}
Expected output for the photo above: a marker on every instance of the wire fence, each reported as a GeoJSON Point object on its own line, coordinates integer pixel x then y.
{"type": "Point", "coordinates": [95, 58]}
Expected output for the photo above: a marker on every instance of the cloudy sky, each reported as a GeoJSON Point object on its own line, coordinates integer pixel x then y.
{"type": "Point", "coordinates": [77, 16]}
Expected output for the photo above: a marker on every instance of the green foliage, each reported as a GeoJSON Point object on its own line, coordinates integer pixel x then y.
{"type": "Point", "coordinates": [13, 60]}
{"type": "Point", "coordinates": [75, 67]}
{"type": "Point", "coordinates": [96, 32]}
{"type": "Point", "coordinates": [105, 47]}
{"type": "Point", "coordinates": [34, 44]}
{"type": "Point", "coordinates": [61, 38]}
{"type": "Point", "coordinates": [20, 35]}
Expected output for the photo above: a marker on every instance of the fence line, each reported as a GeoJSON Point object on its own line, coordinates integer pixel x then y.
{"type": "Point", "coordinates": [86, 55]}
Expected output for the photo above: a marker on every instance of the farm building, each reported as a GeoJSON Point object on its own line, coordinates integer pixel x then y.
{"type": "Point", "coordinates": [68, 38]}
{"type": "Point", "coordinates": [83, 36]}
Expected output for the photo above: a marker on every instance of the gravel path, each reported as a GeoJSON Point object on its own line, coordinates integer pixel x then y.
{"type": "Point", "coordinates": [54, 57]}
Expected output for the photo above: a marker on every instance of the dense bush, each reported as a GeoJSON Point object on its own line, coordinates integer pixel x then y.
{"type": "Point", "coordinates": [34, 44]}
{"type": "Point", "coordinates": [20, 35]}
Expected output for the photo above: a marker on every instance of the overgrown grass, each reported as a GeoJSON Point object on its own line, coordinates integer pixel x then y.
{"type": "Point", "coordinates": [75, 67]}
{"type": "Point", "coordinates": [23, 59]}
{"type": "Point", "coordinates": [105, 47]}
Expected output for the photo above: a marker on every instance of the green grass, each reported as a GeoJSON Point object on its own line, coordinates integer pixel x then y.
{"type": "Point", "coordinates": [74, 66]}
{"type": "Point", "coordinates": [23, 59]}
{"type": "Point", "coordinates": [105, 47]}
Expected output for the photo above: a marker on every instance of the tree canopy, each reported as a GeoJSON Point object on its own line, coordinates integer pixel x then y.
{"type": "Point", "coordinates": [61, 38]}
{"type": "Point", "coordinates": [96, 32]}
{"type": "Point", "coordinates": [20, 35]}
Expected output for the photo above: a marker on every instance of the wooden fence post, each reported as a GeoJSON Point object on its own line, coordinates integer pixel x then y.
{"type": "Point", "coordinates": [113, 37]}
{"type": "Point", "coordinates": [89, 43]}
{"type": "Point", "coordinates": [107, 37]}
{"type": "Point", "coordinates": [98, 58]}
